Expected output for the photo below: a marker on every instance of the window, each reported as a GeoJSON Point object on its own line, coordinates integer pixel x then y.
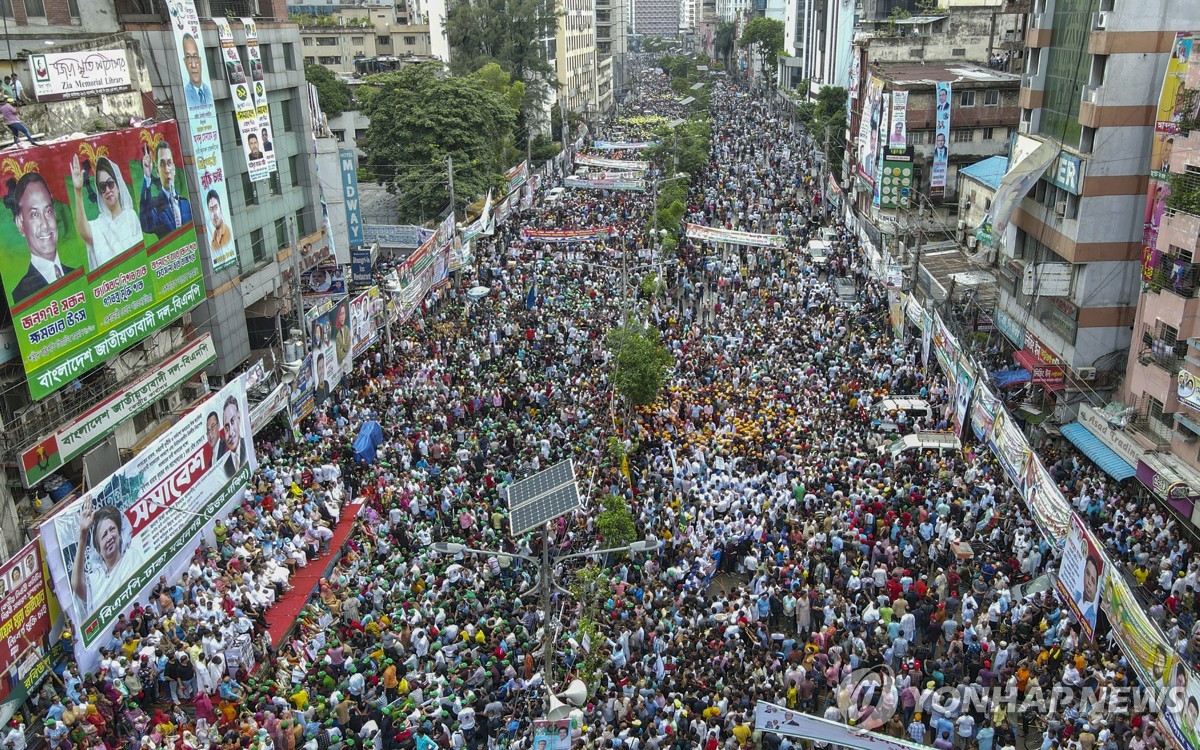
{"type": "Point", "coordinates": [6, 9]}
{"type": "Point", "coordinates": [281, 234]}
{"type": "Point", "coordinates": [237, 131]}
{"type": "Point", "coordinates": [966, 99]}
{"type": "Point", "coordinates": [308, 41]}
{"type": "Point", "coordinates": [340, 135]}
{"type": "Point", "coordinates": [289, 55]}
{"type": "Point", "coordinates": [991, 98]}
{"type": "Point", "coordinates": [35, 9]}
{"type": "Point", "coordinates": [383, 41]}
{"type": "Point", "coordinates": [73, 8]}
{"type": "Point", "coordinates": [294, 168]}
{"type": "Point", "coordinates": [410, 41]}
{"type": "Point", "coordinates": [330, 60]}
{"type": "Point", "coordinates": [988, 133]}
{"type": "Point", "coordinates": [917, 137]}
{"type": "Point", "coordinates": [276, 183]}
{"type": "Point", "coordinates": [303, 223]}
{"type": "Point", "coordinates": [958, 52]}
{"type": "Point", "coordinates": [249, 193]}
{"type": "Point", "coordinates": [258, 248]}
{"type": "Point", "coordinates": [310, 61]}
{"type": "Point", "coordinates": [357, 41]}
{"type": "Point", "coordinates": [268, 60]}
{"type": "Point", "coordinates": [326, 41]}
{"type": "Point", "coordinates": [962, 135]}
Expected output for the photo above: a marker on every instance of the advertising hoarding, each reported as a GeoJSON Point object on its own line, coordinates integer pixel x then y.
{"type": "Point", "coordinates": [1080, 576]}
{"type": "Point", "coordinates": [734, 237]}
{"type": "Point", "coordinates": [80, 434]}
{"type": "Point", "coordinates": [941, 140]}
{"type": "Point", "coordinates": [868, 133]}
{"type": "Point", "coordinates": [367, 315]}
{"type": "Point", "coordinates": [258, 89]}
{"type": "Point", "coordinates": [108, 548]}
{"type": "Point", "coordinates": [898, 130]}
{"type": "Point", "coordinates": [29, 621]}
{"type": "Point", "coordinates": [516, 177]}
{"type": "Point", "coordinates": [207, 164]}
{"type": "Point", "coordinates": [99, 254]}
{"type": "Point", "coordinates": [330, 343]}
{"type": "Point", "coordinates": [354, 222]}
{"type": "Point", "coordinates": [254, 145]}
{"type": "Point", "coordinates": [70, 75]}
{"type": "Point", "coordinates": [1166, 128]}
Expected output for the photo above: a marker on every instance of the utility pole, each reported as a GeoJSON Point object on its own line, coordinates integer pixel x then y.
{"type": "Point", "coordinates": [450, 175]}
{"type": "Point", "coordinates": [299, 301]}
{"type": "Point", "coordinates": [547, 637]}
{"type": "Point", "coordinates": [825, 178]}
{"type": "Point", "coordinates": [528, 149]}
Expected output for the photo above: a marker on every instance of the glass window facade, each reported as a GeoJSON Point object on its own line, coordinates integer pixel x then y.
{"type": "Point", "coordinates": [1067, 69]}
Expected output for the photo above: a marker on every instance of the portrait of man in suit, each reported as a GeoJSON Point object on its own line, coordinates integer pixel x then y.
{"type": "Point", "coordinates": [939, 148]}
{"type": "Point", "coordinates": [166, 211]}
{"type": "Point", "coordinates": [34, 214]}
{"type": "Point", "coordinates": [943, 102]}
{"type": "Point", "coordinates": [196, 92]}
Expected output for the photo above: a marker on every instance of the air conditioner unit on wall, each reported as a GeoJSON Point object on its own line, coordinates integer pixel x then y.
{"type": "Point", "coordinates": [1086, 373]}
{"type": "Point", "coordinates": [1060, 209]}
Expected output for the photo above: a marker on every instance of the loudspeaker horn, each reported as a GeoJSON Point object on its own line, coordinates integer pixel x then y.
{"type": "Point", "coordinates": [557, 710]}
{"type": "Point", "coordinates": [575, 694]}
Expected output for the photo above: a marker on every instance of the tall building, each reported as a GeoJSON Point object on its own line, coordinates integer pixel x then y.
{"type": "Point", "coordinates": [359, 39]}
{"type": "Point", "coordinates": [1160, 394]}
{"type": "Point", "coordinates": [575, 62]}
{"type": "Point", "coordinates": [1069, 269]}
{"type": "Point", "coordinates": [612, 45]}
{"type": "Point", "coordinates": [655, 17]}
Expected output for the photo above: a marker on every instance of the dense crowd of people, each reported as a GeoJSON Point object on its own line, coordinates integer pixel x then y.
{"type": "Point", "coordinates": [795, 550]}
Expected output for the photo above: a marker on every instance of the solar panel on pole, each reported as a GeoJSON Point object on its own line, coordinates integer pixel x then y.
{"type": "Point", "coordinates": [542, 497]}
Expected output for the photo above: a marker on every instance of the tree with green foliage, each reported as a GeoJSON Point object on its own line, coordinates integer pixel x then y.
{"type": "Point", "coordinates": [725, 40]}
{"type": "Point", "coordinates": [573, 121]}
{"type": "Point", "coordinates": [688, 144]}
{"type": "Point", "coordinates": [418, 118]}
{"type": "Point", "coordinates": [615, 523]}
{"type": "Point", "coordinates": [334, 93]}
{"type": "Point", "coordinates": [765, 37]}
{"type": "Point", "coordinates": [641, 362]}
{"type": "Point", "coordinates": [508, 150]}
{"type": "Point", "coordinates": [508, 33]}
{"type": "Point", "coordinates": [827, 111]}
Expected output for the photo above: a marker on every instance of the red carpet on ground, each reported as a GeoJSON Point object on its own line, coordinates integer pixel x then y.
{"type": "Point", "coordinates": [282, 615]}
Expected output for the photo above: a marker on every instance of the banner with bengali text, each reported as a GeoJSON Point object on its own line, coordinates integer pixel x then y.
{"type": "Point", "coordinates": [258, 88]}
{"type": "Point", "coordinates": [734, 237]}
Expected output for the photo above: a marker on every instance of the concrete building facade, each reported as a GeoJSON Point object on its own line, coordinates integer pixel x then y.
{"type": "Point", "coordinates": [575, 63]}
{"type": "Point", "coordinates": [1084, 219]}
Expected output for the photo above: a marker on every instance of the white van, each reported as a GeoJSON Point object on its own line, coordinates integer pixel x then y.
{"type": "Point", "coordinates": [926, 441]}
{"type": "Point", "coordinates": [913, 408]}
{"type": "Point", "coordinates": [554, 194]}
{"type": "Point", "coordinates": [819, 251]}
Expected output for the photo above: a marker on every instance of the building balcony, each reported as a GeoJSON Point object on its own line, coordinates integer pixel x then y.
{"type": "Point", "coordinates": [41, 419]}
{"type": "Point", "coordinates": [1175, 276]}
{"type": "Point", "coordinates": [1160, 346]}
{"type": "Point", "coordinates": [1151, 423]}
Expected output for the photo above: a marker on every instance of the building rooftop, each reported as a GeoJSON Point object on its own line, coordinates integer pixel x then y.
{"type": "Point", "coordinates": [914, 20]}
{"type": "Point", "coordinates": [916, 73]}
{"type": "Point", "coordinates": [989, 171]}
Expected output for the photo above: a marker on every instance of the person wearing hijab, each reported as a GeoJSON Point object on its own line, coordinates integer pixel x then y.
{"type": "Point", "coordinates": [116, 228]}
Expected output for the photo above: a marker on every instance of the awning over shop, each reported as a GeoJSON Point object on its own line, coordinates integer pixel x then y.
{"type": "Point", "coordinates": [1103, 456]}
{"type": "Point", "coordinates": [1050, 377]}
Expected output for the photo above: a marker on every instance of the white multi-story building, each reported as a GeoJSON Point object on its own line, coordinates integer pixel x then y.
{"type": "Point", "coordinates": [575, 60]}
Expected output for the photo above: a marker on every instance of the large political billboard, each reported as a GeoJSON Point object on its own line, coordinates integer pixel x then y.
{"type": "Point", "coordinates": [108, 548]}
{"type": "Point", "coordinates": [869, 127]}
{"type": "Point", "coordinates": [28, 618]}
{"type": "Point", "coordinates": [1081, 575]}
{"type": "Point", "coordinates": [258, 87]}
{"type": "Point", "coordinates": [100, 248]}
{"type": "Point", "coordinates": [331, 345]}
{"type": "Point", "coordinates": [941, 141]}
{"type": "Point", "coordinates": [207, 163]}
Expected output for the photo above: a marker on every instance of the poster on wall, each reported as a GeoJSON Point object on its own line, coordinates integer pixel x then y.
{"type": "Point", "coordinates": [1166, 129]}
{"type": "Point", "coordinates": [258, 88]}
{"type": "Point", "coordinates": [108, 548]}
{"type": "Point", "coordinates": [881, 147]}
{"type": "Point", "coordinates": [898, 130]}
{"type": "Point", "coordinates": [1081, 572]}
{"type": "Point", "coordinates": [367, 311]}
{"type": "Point", "coordinates": [207, 164]}
{"type": "Point", "coordinates": [327, 279]}
{"type": "Point", "coordinates": [254, 149]}
{"type": "Point", "coordinates": [330, 343]}
{"type": "Point", "coordinates": [70, 75]}
{"type": "Point", "coordinates": [941, 141]}
{"type": "Point", "coordinates": [30, 621]}
{"type": "Point", "coordinates": [100, 249]}
{"type": "Point", "coordinates": [868, 134]}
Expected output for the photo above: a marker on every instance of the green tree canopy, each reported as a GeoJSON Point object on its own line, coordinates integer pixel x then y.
{"type": "Point", "coordinates": [334, 93]}
{"type": "Point", "coordinates": [765, 37]}
{"type": "Point", "coordinates": [419, 117]}
{"type": "Point", "coordinates": [827, 112]}
{"type": "Point", "coordinates": [641, 362]}
{"type": "Point", "coordinates": [505, 32]}
{"type": "Point", "coordinates": [724, 41]}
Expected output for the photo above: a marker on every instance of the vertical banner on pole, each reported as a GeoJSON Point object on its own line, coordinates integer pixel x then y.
{"type": "Point", "coordinates": [259, 88]}
{"type": "Point", "coordinates": [941, 142]}
{"type": "Point", "coordinates": [208, 165]}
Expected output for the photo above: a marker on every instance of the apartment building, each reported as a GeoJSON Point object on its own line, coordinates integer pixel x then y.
{"type": "Point", "coordinates": [575, 60]}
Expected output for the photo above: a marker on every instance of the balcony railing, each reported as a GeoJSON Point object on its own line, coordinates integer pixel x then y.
{"type": "Point", "coordinates": [1174, 275]}
{"type": "Point", "coordinates": [42, 419]}
{"type": "Point", "coordinates": [1161, 349]}
{"type": "Point", "coordinates": [1154, 426]}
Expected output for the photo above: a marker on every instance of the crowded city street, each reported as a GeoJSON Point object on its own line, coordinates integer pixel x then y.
{"type": "Point", "coordinates": [787, 548]}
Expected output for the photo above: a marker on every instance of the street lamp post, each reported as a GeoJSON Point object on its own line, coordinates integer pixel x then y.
{"type": "Point", "coordinates": [546, 582]}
